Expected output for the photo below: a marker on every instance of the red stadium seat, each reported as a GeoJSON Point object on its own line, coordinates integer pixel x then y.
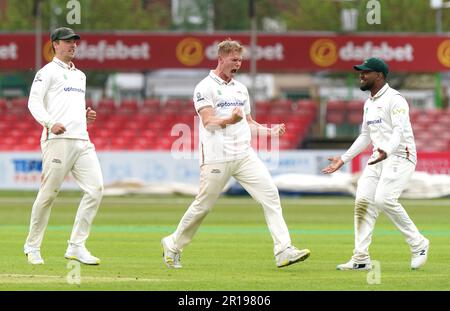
{"type": "Point", "coordinates": [355, 117]}
{"type": "Point", "coordinates": [355, 112]}
{"type": "Point", "coordinates": [186, 106]}
{"type": "Point", "coordinates": [355, 105]}
{"type": "Point", "coordinates": [336, 117]}
{"type": "Point", "coordinates": [262, 108]}
{"type": "Point", "coordinates": [282, 104]}
{"type": "Point", "coordinates": [105, 106]}
{"type": "Point", "coordinates": [129, 106]}
{"type": "Point", "coordinates": [336, 111]}
{"type": "Point", "coordinates": [3, 105]}
{"type": "Point", "coordinates": [150, 106]}
{"type": "Point", "coordinates": [172, 104]}
{"type": "Point", "coordinates": [19, 106]}
{"type": "Point", "coordinates": [444, 118]}
{"type": "Point", "coordinates": [413, 113]}
{"type": "Point", "coordinates": [307, 104]}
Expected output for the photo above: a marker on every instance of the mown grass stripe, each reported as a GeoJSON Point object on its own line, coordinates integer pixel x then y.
{"type": "Point", "coordinates": [300, 201]}
{"type": "Point", "coordinates": [218, 229]}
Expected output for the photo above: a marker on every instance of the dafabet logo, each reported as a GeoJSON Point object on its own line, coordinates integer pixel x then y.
{"type": "Point", "coordinates": [443, 53]}
{"type": "Point", "coordinates": [47, 51]}
{"type": "Point", "coordinates": [190, 51]}
{"type": "Point", "coordinates": [323, 52]}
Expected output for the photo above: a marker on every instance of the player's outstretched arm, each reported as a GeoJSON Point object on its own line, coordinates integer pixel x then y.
{"type": "Point", "coordinates": [336, 163]}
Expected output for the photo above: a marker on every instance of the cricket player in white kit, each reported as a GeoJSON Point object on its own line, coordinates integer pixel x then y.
{"type": "Point", "coordinates": [387, 126]}
{"type": "Point", "coordinates": [57, 101]}
{"type": "Point", "coordinates": [225, 151]}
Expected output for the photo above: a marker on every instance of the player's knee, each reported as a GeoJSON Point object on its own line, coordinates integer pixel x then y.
{"type": "Point", "coordinates": [96, 193]}
{"type": "Point", "coordinates": [271, 196]}
{"type": "Point", "coordinates": [382, 202]}
{"type": "Point", "coordinates": [361, 205]}
{"type": "Point", "coordinates": [48, 198]}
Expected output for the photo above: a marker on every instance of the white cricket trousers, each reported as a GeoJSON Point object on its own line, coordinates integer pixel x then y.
{"type": "Point", "coordinates": [379, 188]}
{"type": "Point", "coordinates": [252, 174]}
{"type": "Point", "coordinates": [61, 156]}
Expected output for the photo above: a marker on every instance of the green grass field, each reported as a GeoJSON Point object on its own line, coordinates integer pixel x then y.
{"type": "Point", "coordinates": [231, 251]}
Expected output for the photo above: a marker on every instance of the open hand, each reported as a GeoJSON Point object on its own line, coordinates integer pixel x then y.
{"type": "Point", "coordinates": [336, 163]}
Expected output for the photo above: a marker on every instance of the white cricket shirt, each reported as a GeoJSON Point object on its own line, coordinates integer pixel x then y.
{"type": "Point", "coordinates": [386, 124]}
{"type": "Point", "coordinates": [57, 95]}
{"type": "Point", "coordinates": [233, 141]}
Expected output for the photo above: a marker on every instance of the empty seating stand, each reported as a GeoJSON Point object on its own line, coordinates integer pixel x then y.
{"type": "Point", "coordinates": [152, 124]}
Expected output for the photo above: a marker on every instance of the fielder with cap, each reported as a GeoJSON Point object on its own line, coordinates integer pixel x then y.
{"type": "Point", "coordinates": [387, 126]}
{"type": "Point", "coordinates": [57, 102]}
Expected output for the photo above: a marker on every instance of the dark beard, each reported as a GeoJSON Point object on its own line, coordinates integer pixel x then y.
{"type": "Point", "coordinates": [367, 86]}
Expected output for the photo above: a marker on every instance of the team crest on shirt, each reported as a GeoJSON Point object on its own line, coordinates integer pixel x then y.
{"type": "Point", "coordinates": [398, 110]}
{"type": "Point", "coordinates": [38, 78]}
{"type": "Point", "coordinates": [199, 97]}
{"type": "Point", "coordinates": [65, 77]}
{"type": "Point", "coordinates": [219, 92]}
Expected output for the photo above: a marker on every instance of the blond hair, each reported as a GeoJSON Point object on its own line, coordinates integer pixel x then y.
{"type": "Point", "coordinates": [227, 46]}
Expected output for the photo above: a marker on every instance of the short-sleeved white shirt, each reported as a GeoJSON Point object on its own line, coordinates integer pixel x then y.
{"type": "Point", "coordinates": [234, 141]}
{"type": "Point", "coordinates": [57, 95]}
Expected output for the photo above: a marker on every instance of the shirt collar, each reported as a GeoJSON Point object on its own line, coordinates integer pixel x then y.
{"type": "Point", "coordinates": [219, 80]}
{"type": "Point", "coordinates": [380, 92]}
{"type": "Point", "coordinates": [62, 64]}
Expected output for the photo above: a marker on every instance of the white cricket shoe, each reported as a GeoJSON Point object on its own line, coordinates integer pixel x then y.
{"type": "Point", "coordinates": [170, 258]}
{"type": "Point", "coordinates": [291, 255]}
{"type": "Point", "coordinates": [34, 258]}
{"type": "Point", "coordinates": [81, 254]}
{"type": "Point", "coordinates": [352, 265]}
{"type": "Point", "coordinates": [420, 257]}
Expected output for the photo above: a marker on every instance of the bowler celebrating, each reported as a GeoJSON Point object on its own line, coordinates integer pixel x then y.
{"type": "Point", "coordinates": [225, 151]}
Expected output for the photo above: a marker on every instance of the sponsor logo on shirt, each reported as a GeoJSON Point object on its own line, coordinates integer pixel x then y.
{"type": "Point", "coordinates": [73, 89]}
{"type": "Point", "coordinates": [230, 104]}
{"type": "Point", "coordinates": [377, 121]}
